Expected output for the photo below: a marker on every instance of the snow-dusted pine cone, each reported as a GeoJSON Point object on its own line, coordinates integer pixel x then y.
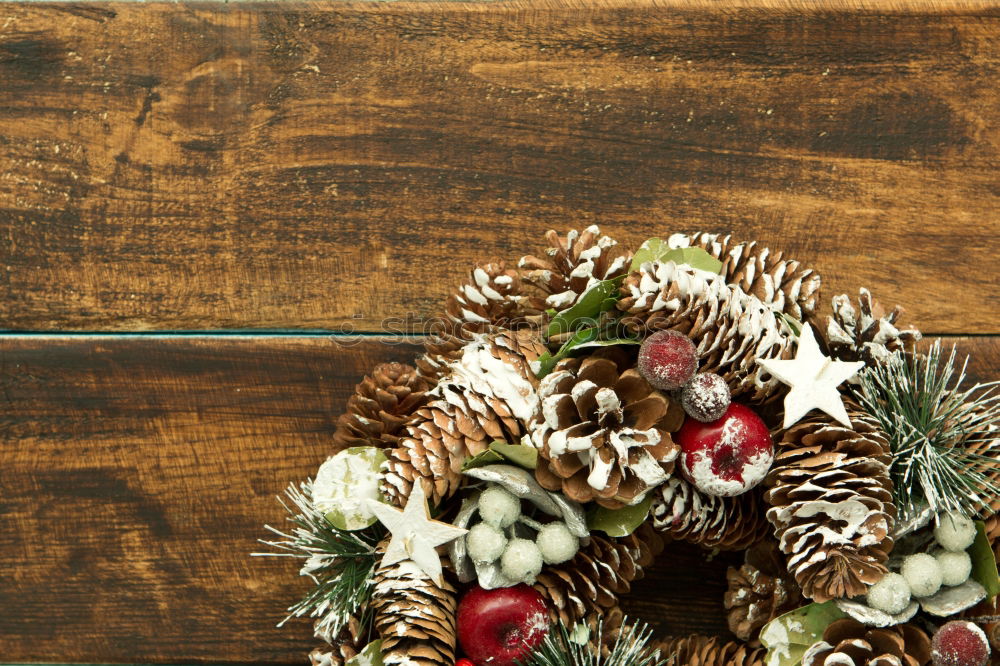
{"type": "Point", "coordinates": [731, 330]}
{"type": "Point", "coordinates": [603, 570]}
{"type": "Point", "coordinates": [710, 651]}
{"type": "Point", "coordinates": [489, 394]}
{"type": "Point", "coordinates": [831, 505]}
{"type": "Point", "coordinates": [495, 297]}
{"type": "Point", "coordinates": [343, 646]}
{"type": "Point", "coordinates": [847, 642]}
{"type": "Point", "coordinates": [573, 264]}
{"type": "Point", "coordinates": [603, 433]}
{"type": "Point", "coordinates": [866, 333]}
{"type": "Point", "coordinates": [759, 590]}
{"type": "Point", "coordinates": [784, 284]}
{"type": "Point", "coordinates": [684, 513]}
{"type": "Point", "coordinates": [380, 406]}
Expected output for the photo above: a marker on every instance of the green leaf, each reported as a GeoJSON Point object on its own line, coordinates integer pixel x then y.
{"type": "Point", "coordinates": [657, 250]}
{"type": "Point", "coordinates": [787, 637]}
{"type": "Point", "coordinates": [519, 454]}
{"type": "Point", "coordinates": [547, 361]}
{"type": "Point", "coordinates": [652, 250]}
{"type": "Point", "coordinates": [608, 343]}
{"type": "Point", "coordinates": [593, 302]}
{"type": "Point", "coordinates": [370, 656]}
{"type": "Point", "coordinates": [793, 324]}
{"type": "Point", "coordinates": [619, 522]}
{"type": "Point", "coordinates": [984, 563]}
{"type": "Point", "coordinates": [482, 459]}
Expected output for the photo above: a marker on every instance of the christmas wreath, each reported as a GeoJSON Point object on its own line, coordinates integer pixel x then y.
{"type": "Point", "coordinates": [573, 415]}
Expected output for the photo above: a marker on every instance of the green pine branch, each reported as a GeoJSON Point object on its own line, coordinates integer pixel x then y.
{"type": "Point", "coordinates": [565, 647]}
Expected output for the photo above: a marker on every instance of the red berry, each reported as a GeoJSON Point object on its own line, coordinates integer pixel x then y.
{"type": "Point", "coordinates": [728, 456]}
{"type": "Point", "coordinates": [498, 627]}
{"type": "Point", "coordinates": [464, 662]}
{"type": "Point", "coordinates": [706, 397]}
{"type": "Point", "coordinates": [668, 360]}
{"type": "Point", "coordinates": [960, 643]}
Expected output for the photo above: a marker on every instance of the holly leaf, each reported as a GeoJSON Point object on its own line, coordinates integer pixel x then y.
{"type": "Point", "coordinates": [592, 303]}
{"type": "Point", "coordinates": [518, 454]}
{"type": "Point", "coordinates": [619, 522]}
{"type": "Point", "coordinates": [482, 459]}
{"type": "Point", "coordinates": [984, 563]}
{"type": "Point", "coordinates": [370, 656]}
{"type": "Point", "coordinates": [788, 636]}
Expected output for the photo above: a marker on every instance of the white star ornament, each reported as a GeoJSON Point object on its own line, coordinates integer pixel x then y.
{"type": "Point", "coordinates": [414, 535]}
{"type": "Point", "coordinates": [813, 380]}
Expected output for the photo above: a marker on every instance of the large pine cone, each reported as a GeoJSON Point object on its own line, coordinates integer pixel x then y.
{"type": "Point", "coordinates": [574, 263]}
{"type": "Point", "coordinates": [494, 297]}
{"type": "Point", "coordinates": [603, 432]}
{"type": "Point", "coordinates": [343, 647]}
{"type": "Point", "coordinates": [684, 513]}
{"type": "Point", "coordinates": [594, 580]}
{"type": "Point", "coordinates": [759, 591]}
{"type": "Point", "coordinates": [847, 642]}
{"type": "Point", "coordinates": [831, 505]}
{"type": "Point", "coordinates": [867, 333]}
{"type": "Point", "coordinates": [783, 284]}
{"type": "Point", "coordinates": [710, 651]}
{"type": "Point", "coordinates": [380, 406]}
{"type": "Point", "coordinates": [731, 330]}
{"type": "Point", "coordinates": [489, 395]}
{"type": "Point", "coordinates": [414, 616]}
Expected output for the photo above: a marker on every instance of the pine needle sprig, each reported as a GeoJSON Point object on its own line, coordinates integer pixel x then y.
{"type": "Point", "coordinates": [565, 647]}
{"type": "Point", "coordinates": [942, 437]}
{"type": "Point", "coordinates": [341, 564]}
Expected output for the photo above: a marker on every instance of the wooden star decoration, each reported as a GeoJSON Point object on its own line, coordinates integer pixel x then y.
{"type": "Point", "coordinates": [414, 535]}
{"type": "Point", "coordinates": [813, 379]}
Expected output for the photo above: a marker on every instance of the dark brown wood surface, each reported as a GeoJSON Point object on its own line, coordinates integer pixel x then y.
{"type": "Point", "coordinates": [317, 165]}
{"type": "Point", "coordinates": [138, 472]}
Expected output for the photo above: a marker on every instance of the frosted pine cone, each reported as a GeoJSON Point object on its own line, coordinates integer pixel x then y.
{"type": "Point", "coordinates": [783, 284]}
{"type": "Point", "coordinates": [710, 651]}
{"type": "Point", "coordinates": [759, 591]}
{"type": "Point", "coordinates": [847, 642]}
{"type": "Point", "coordinates": [573, 264]}
{"type": "Point", "coordinates": [866, 333]}
{"type": "Point", "coordinates": [489, 394]}
{"type": "Point", "coordinates": [831, 505]}
{"type": "Point", "coordinates": [380, 406]}
{"type": "Point", "coordinates": [343, 646]}
{"type": "Point", "coordinates": [684, 513]}
{"type": "Point", "coordinates": [731, 330]}
{"type": "Point", "coordinates": [603, 433]}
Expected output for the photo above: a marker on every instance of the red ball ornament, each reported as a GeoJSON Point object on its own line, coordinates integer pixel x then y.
{"type": "Point", "coordinates": [728, 456]}
{"type": "Point", "coordinates": [464, 662]}
{"type": "Point", "coordinates": [668, 360]}
{"type": "Point", "coordinates": [498, 627]}
{"type": "Point", "coordinates": [960, 643]}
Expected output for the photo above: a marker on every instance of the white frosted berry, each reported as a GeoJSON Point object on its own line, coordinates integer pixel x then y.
{"type": "Point", "coordinates": [954, 532]}
{"type": "Point", "coordinates": [923, 574]}
{"type": "Point", "coordinates": [890, 595]}
{"type": "Point", "coordinates": [485, 543]}
{"type": "Point", "coordinates": [557, 543]}
{"type": "Point", "coordinates": [706, 397]}
{"type": "Point", "coordinates": [521, 561]}
{"type": "Point", "coordinates": [498, 507]}
{"type": "Point", "coordinates": [956, 567]}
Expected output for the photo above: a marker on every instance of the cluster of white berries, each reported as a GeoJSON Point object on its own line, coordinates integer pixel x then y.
{"type": "Point", "coordinates": [500, 537]}
{"type": "Point", "coordinates": [923, 574]}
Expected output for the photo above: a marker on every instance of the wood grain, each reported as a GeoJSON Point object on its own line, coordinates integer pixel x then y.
{"type": "Point", "coordinates": [137, 475]}
{"type": "Point", "coordinates": [332, 165]}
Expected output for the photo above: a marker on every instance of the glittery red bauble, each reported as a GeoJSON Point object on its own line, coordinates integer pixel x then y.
{"type": "Point", "coordinates": [728, 456]}
{"type": "Point", "coordinates": [668, 360]}
{"type": "Point", "coordinates": [960, 643]}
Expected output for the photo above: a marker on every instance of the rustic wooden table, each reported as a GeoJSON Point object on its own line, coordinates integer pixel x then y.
{"type": "Point", "coordinates": [193, 196]}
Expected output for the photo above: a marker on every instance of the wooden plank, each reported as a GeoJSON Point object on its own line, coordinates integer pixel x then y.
{"type": "Point", "coordinates": [328, 165]}
{"type": "Point", "coordinates": [138, 472]}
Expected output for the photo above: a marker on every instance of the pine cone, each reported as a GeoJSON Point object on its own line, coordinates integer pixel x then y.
{"type": "Point", "coordinates": [684, 513]}
{"type": "Point", "coordinates": [847, 641]}
{"type": "Point", "coordinates": [603, 432]}
{"type": "Point", "coordinates": [489, 395]}
{"type": "Point", "coordinates": [731, 330]}
{"type": "Point", "coordinates": [414, 616]}
{"type": "Point", "coordinates": [868, 333]}
{"type": "Point", "coordinates": [380, 406]}
{"type": "Point", "coordinates": [343, 647]}
{"type": "Point", "coordinates": [574, 264]}
{"type": "Point", "coordinates": [592, 582]}
{"type": "Point", "coordinates": [759, 591]}
{"type": "Point", "coordinates": [781, 283]}
{"type": "Point", "coordinates": [831, 505]}
{"type": "Point", "coordinates": [495, 297]}
{"type": "Point", "coordinates": [710, 651]}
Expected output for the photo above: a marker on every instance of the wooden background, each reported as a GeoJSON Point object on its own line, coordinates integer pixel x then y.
{"type": "Point", "coordinates": [194, 196]}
